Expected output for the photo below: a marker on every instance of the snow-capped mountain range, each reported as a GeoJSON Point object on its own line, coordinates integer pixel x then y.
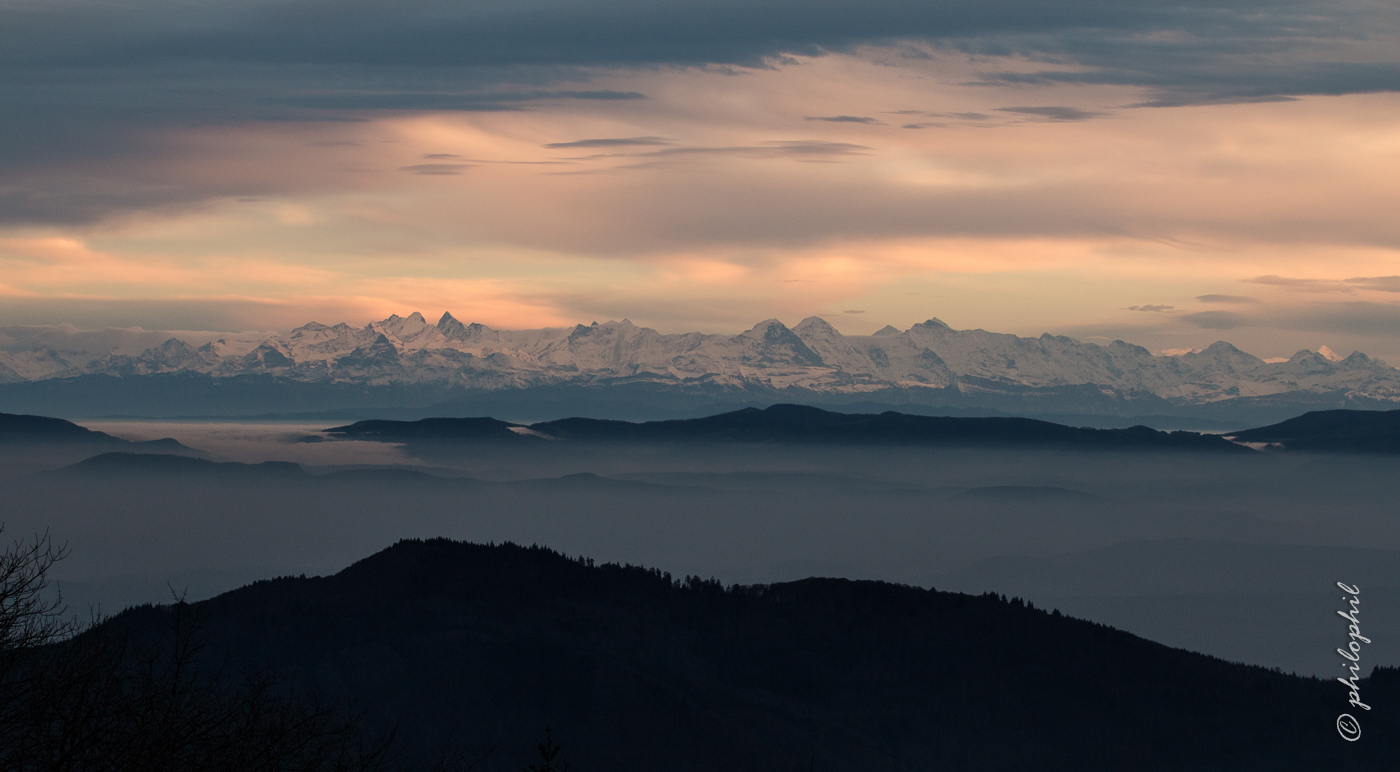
{"type": "Point", "coordinates": [812, 357]}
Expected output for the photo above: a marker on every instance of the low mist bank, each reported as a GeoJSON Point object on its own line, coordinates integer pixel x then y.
{"type": "Point", "coordinates": [758, 513]}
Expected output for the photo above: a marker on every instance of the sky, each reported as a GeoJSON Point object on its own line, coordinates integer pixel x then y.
{"type": "Point", "coordinates": [1166, 173]}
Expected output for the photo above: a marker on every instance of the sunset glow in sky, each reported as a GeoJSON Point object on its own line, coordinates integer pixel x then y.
{"type": "Point", "coordinates": [1170, 173]}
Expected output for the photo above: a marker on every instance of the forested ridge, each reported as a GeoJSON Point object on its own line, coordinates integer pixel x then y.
{"type": "Point", "coordinates": [484, 646]}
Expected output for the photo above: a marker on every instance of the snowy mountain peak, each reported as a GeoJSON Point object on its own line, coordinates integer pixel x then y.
{"type": "Point", "coordinates": [1304, 356]}
{"type": "Point", "coordinates": [815, 324]}
{"type": "Point", "coordinates": [764, 328]}
{"type": "Point", "coordinates": [812, 356]}
{"type": "Point", "coordinates": [1329, 354]}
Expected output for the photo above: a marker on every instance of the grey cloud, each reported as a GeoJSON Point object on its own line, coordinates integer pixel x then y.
{"type": "Point", "coordinates": [84, 81]}
{"type": "Point", "coordinates": [1226, 299]}
{"type": "Point", "coordinates": [1302, 285]}
{"type": "Point", "coordinates": [227, 314]}
{"type": "Point", "coordinates": [1345, 286]}
{"type": "Point", "coordinates": [1363, 318]}
{"type": "Point", "coordinates": [847, 119]}
{"type": "Point", "coordinates": [1151, 308]}
{"type": "Point", "coordinates": [435, 169]}
{"type": "Point", "coordinates": [927, 114]}
{"type": "Point", "coordinates": [612, 142]}
{"type": "Point", "coordinates": [747, 205]}
{"type": "Point", "coordinates": [854, 311]}
{"type": "Point", "coordinates": [1053, 113]}
{"type": "Point", "coordinates": [1217, 320]}
{"type": "Point", "coordinates": [1381, 283]}
{"type": "Point", "coordinates": [802, 148]}
{"type": "Point", "coordinates": [815, 147]}
{"type": "Point", "coordinates": [462, 102]}
{"type": "Point", "coordinates": [1187, 49]}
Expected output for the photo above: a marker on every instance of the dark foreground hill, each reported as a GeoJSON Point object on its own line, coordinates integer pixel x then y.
{"type": "Point", "coordinates": [1333, 431]}
{"type": "Point", "coordinates": [636, 671]}
{"type": "Point", "coordinates": [793, 424]}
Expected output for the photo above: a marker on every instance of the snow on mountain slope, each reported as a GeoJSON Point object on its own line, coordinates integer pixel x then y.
{"type": "Point", "coordinates": [812, 356]}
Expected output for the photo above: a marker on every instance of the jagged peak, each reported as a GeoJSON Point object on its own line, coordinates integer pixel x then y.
{"type": "Point", "coordinates": [312, 327]}
{"type": "Point", "coordinates": [934, 323]}
{"type": "Point", "coordinates": [888, 329]}
{"type": "Point", "coordinates": [398, 323]}
{"type": "Point", "coordinates": [1329, 354]}
{"type": "Point", "coordinates": [451, 328]}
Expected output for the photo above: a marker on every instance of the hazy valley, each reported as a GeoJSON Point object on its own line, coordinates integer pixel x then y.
{"type": "Point", "coordinates": [1204, 545]}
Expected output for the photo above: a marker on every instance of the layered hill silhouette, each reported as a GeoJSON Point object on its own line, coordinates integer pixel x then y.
{"type": "Point", "coordinates": [635, 670]}
{"type": "Point", "coordinates": [793, 424]}
{"type": "Point", "coordinates": [1334, 431]}
{"type": "Point", "coordinates": [33, 430]}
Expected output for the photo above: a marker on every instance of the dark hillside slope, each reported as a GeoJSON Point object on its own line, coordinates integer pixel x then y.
{"type": "Point", "coordinates": [1333, 431]}
{"type": "Point", "coordinates": [30, 443]}
{"type": "Point", "coordinates": [637, 672]}
{"type": "Point", "coordinates": [44, 431]}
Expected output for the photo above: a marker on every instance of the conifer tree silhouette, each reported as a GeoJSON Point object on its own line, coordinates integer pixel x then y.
{"type": "Point", "coordinates": [549, 751]}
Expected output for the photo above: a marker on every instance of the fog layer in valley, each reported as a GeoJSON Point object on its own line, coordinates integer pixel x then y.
{"type": "Point", "coordinates": [1231, 555]}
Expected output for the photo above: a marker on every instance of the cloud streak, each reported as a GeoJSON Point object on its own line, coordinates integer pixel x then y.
{"type": "Point", "coordinates": [868, 121]}
{"type": "Point", "coordinates": [1345, 286]}
{"type": "Point", "coordinates": [612, 142]}
{"type": "Point", "coordinates": [1226, 299]}
{"type": "Point", "coordinates": [1053, 113]}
